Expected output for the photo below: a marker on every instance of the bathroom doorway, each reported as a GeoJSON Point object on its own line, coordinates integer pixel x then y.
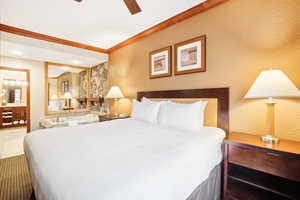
{"type": "Point", "coordinates": [14, 110]}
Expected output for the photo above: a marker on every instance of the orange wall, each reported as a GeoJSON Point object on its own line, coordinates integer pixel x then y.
{"type": "Point", "coordinates": [243, 38]}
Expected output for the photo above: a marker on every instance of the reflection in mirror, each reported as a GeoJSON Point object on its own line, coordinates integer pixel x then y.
{"type": "Point", "coordinates": [13, 88]}
{"type": "Point", "coordinates": [67, 87]}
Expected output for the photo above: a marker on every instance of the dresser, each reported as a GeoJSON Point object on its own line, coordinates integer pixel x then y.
{"type": "Point", "coordinates": [254, 170]}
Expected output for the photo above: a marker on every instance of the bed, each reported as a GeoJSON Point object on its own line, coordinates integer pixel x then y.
{"type": "Point", "coordinates": [131, 159]}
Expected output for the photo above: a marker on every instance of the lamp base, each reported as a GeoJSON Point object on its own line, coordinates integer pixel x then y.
{"type": "Point", "coordinates": [269, 139]}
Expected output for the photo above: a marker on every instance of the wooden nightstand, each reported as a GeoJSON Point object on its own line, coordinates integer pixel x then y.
{"type": "Point", "coordinates": [255, 170]}
{"type": "Point", "coordinates": [110, 117]}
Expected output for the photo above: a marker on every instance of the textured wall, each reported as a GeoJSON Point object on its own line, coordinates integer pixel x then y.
{"type": "Point", "coordinates": [243, 38]}
{"type": "Point", "coordinates": [98, 80]}
{"type": "Point", "coordinates": [83, 84]}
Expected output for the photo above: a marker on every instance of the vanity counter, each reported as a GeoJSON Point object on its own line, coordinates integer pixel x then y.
{"type": "Point", "coordinates": [69, 121]}
{"type": "Point", "coordinates": [12, 105]}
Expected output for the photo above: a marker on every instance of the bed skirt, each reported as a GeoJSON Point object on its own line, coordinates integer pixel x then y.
{"type": "Point", "coordinates": [210, 189]}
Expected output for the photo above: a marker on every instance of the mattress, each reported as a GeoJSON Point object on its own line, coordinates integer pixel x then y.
{"type": "Point", "coordinates": [121, 159]}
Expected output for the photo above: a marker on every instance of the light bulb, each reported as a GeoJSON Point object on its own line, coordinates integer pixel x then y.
{"type": "Point", "coordinates": [17, 52]}
{"type": "Point", "coordinates": [25, 83]}
{"type": "Point", "coordinates": [18, 83]}
{"type": "Point", "coordinates": [12, 82]}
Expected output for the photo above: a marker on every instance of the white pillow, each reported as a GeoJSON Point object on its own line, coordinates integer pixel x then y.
{"type": "Point", "coordinates": [146, 100]}
{"type": "Point", "coordinates": [145, 111]}
{"type": "Point", "coordinates": [182, 116]}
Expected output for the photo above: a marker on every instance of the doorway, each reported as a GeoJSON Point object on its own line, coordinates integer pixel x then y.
{"type": "Point", "coordinates": [14, 110]}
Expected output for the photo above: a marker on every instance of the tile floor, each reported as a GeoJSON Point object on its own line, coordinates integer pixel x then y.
{"type": "Point", "coordinates": [11, 142]}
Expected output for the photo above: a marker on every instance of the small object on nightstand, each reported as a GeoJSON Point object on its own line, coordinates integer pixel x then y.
{"type": "Point", "coordinates": [269, 139]}
{"type": "Point", "coordinates": [257, 170]}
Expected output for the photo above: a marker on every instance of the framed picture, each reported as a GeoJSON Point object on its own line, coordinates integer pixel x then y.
{"type": "Point", "coordinates": [160, 62]}
{"type": "Point", "coordinates": [190, 56]}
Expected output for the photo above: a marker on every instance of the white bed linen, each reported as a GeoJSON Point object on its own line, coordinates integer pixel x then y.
{"type": "Point", "coordinates": [121, 159]}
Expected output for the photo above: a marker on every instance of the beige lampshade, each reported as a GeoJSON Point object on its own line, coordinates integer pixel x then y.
{"type": "Point", "coordinates": [68, 95]}
{"type": "Point", "coordinates": [273, 83]}
{"type": "Point", "coordinates": [114, 93]}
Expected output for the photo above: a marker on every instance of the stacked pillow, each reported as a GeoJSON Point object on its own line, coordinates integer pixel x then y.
{"type": "Point", "coordinates": [169, 114]}
{"type": "Point", "coordinates": [145, 111]}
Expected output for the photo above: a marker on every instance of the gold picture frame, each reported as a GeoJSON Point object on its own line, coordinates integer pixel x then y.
{"type": "Point", "coordinates": [190, 56]}
{"type": "Point", "coordinates": [160, 63]}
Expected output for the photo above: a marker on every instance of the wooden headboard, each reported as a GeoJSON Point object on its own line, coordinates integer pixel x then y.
{"type": "Point", "coordinates": [221, 94]}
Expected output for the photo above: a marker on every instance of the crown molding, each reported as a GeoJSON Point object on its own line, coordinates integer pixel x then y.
{"type": "Point", "coordinates": [67, 65]}
{"type": "Point", "coordinates": [39, 36]}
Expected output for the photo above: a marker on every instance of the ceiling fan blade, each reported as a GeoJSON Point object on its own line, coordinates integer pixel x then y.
{"type": "Point", "coordinates": [78, 0]}
{"type": "Point", "coordinates": [132, 6]}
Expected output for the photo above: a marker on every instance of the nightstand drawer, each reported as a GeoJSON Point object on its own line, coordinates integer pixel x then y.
{"type": "Point", "coordinates": [265, 161]}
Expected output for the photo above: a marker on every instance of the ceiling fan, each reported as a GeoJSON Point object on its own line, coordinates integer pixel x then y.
{"type": "Point", "coordinates": [132, 6]}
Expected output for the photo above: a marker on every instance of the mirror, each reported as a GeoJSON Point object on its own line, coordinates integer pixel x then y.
{"type": "Point", "coordinates": [13, 95]}
{"type": "Point", "coordinates": [13, 88]}
{"type": "Point", "coordinates": [67, 88]}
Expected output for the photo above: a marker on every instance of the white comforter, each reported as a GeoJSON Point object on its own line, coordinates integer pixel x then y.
{"type": "Point", "coordinates": [121, 160]}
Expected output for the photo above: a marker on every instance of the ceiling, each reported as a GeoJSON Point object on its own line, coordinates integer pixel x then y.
{"type": "Point", "coordinates": [99, 23]}
{"type": "Point", "coordinates": [27, 48]}
{"type": "Point", "coordinates": [55, 71]}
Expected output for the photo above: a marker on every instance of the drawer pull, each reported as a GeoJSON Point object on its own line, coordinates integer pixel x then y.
{"type": "Point", "coordinates": [272, 154]}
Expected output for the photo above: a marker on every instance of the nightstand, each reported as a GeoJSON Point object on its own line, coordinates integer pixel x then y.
{"type": "Point", "coordinates": [110, 117]}
{"type": "Point", "coordinates": [254, 170]}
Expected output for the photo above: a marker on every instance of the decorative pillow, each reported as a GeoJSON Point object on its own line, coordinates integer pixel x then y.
{"type": "Point", "coordinates": [182, 116]}
{"type": "Point", "coordinates": [145, 111]}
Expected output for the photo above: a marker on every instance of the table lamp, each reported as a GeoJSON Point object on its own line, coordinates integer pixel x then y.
{"type": "Point", "coordinates": [116, 94]}
{"type": "Point", "coordinates": [272, 84]}
{"type": "Point", "coordinates": [68, 97]}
